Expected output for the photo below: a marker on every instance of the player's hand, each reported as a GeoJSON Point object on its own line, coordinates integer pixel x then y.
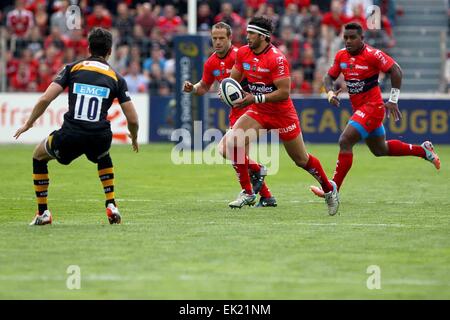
{"type": "Point", "coordinates": [134, 143]}
{"type": "Point", "coordinates": [21, 130]}
{"type": "Point", "coordinates": [392, 109]}
{"type": "Point", "coordinates": [188, 87]}
{"type": "Point", "coordinates": [333, 97]}
{"type": "Point", "coordinates": [248, 99]}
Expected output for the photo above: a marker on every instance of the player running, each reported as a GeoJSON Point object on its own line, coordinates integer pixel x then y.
{"type": "Point", "coordinates": [360, 64]}
{"type": "Point", "coordinates": [93, 85]}
{"type": "Point", "coordinates": [216, 68]}
{"type": "Point", "coordinates": [267, 71]}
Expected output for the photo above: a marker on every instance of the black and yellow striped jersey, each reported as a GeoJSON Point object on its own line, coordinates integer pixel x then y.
{"type": "Point", "coordinates": [93, 86]}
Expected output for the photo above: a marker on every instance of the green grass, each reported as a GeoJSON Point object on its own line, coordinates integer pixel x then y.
{"type": "Point", "coordinates": [179, 239]}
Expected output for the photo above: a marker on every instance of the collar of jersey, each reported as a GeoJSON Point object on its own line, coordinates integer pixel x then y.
{"type": "Point", "coordinates": [264, 51]}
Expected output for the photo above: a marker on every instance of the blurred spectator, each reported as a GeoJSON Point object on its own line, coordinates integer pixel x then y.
{"type": "Point", "coordinates": [156, 57]}
{"type": "Point", "coordinates": [136, 81]}
{"type": "Point", "coordinates": [141, 40]}
{"type": "Point", "coordinates": [205, 19]}
{"type": "Point", "coordinates": [78, 43]}
{"type": "Point", "coordinates": [52, 58]}
{"type": "Point", "coordinates": [314, 18]}
{"type": "Point", "coordinates": [310, 38]}
{"type": "Point", "coordinates": [308, 63]}
{"type": "Point", "coordinates": [45, 78]}
{"type": "Point", "coordinates": [333, 21]}
{"type": "Point", "coordinates": [258, 6]}
{"type": "Point", "coordinates": [56, 38]}
{"type": "Point", "coordinates": [324, 5]}
{"type": "Point", "coordinates": [169, 22]}
{"type": "Point", "coordinates": [146, 18]}
{"type": "Point", "coordinates": [99, 18]}
{"type": "Point", "coordinates": [350, 4]}
{"type": "Point", "coordinates": [298, 83]}
{"type": "Point", "coordinates": [164, 89]}
{"type": "Point", "coordinates": [291, 41]}
{"type": "Point", "coordinates": [358, 16]}
{"type": "Point", "coordinates": [292, 18]}
{"type": "Point", "coordinates": [41, 17]}
{"type": "Point", "coordinates": [124, 23]}
{"type": "Point", "coordinates": [21, 79]}
{"type": "Point", "coordinates": [36, 44]}
{"type": "Point", "coordinates": [299, 3]}
{"type": "Point", "coordinates": [273, 15]}
{"type": "Point", "coordinates": [228, 16]}
{"type": "Point", "coordinates": [58, 18]}
{"type": "Point", "coordinates": [20, 21]}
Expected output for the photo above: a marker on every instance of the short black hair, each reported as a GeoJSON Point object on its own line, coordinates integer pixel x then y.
{"type": "Point", "coordinates": [262, 22]}
{"type": "Point", "coordinates": [100, 42]}
{"type": "Point", "coordinates": [354, 26]}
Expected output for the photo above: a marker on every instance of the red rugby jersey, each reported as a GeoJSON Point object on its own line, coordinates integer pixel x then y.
{"type": "Point", "coordinates": [217, 68]}
{"type": "Point", "coordinates": [361, 74]}
{"type": "Point", "coordinates": [261, 70]}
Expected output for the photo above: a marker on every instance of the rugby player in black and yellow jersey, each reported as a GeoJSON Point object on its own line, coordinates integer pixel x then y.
{"type": "Point", "coordinates": [93, 85]}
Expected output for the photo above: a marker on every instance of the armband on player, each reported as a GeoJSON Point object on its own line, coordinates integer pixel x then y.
{"type": "Point", "coordinates": [395, 93]}
{"type": "Point", "coordinates": [194, 89]}
{"type": "Point", "coordinates": [260, 98]}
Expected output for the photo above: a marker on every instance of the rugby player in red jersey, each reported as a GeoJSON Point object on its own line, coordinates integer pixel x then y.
{"type": "Point", "coordinates": [216, 68]}
{"type": "Point", "coordinates": [360, 64]}
{"type": "Point", "coordinates": [267, 72]}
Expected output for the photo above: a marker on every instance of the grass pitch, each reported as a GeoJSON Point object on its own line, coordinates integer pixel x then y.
{"type": "Point", "coordinates": [179, 239]}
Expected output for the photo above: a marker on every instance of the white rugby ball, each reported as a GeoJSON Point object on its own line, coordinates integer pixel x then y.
{"type": "Point", "coordinates": [230, 90]}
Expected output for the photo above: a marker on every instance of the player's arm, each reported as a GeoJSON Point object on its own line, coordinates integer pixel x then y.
{"type": "Point", "coordinates": [133, 122]}
{"type": "Point", "coordinates": [199, 89]}
{"type": "Point", "coordinates": [391, 106]}
{"type": "Point", "coordinates": [53, 90]}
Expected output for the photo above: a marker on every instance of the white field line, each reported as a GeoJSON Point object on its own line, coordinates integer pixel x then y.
{"type": "Point", "coordinates": [231, 278]}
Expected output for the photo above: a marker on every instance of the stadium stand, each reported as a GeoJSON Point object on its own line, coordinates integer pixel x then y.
{"type": "Point", "coordinates": [39, 43]}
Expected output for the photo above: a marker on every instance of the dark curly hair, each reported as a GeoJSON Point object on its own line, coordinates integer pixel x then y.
{"type": "Point", "coordinates": [263, 22]}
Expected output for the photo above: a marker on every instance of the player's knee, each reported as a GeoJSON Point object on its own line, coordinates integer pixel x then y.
{"type": "Point", "coordinates": [345, 144]}
{"type": "Point", "coordinates": [379, 152]}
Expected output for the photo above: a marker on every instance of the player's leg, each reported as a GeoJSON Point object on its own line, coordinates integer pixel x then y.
{"type": "Point", "coordinates": [297, 151]}
{"type": "Point", "coordinates": [378, 145]}
{"type": "Point", "coordinates": [234, 147]}
{"type": "Point", "coordinates": [98, 152]}
{"type": "Point", "coordinates": [41, 182]}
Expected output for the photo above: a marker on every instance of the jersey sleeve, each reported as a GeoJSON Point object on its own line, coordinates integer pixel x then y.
{"type": "Point", "coordinates": [382, 61]}
{"type": "Point", "coordinates": [123, 95]}
{"type": "Point", "coordinates": [280, 68]}
{"type": "Point", "coordinates": [335, 69]}
{"type": "Point", "coordinates": [62, 78]}
{"type": "Point", "coordinates": [208, 76]}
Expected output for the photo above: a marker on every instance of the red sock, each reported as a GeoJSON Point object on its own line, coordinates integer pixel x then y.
{"type": "Point", "coordinates": [398, 148]}
{"type": "Point", "coordinates": [242, 171]}
{"type": "Point", "coordinates": [252, 165]}
{"type": "Point", "coordinates": [315, 169]}
{"type": "Point", "coordinates": [343, 165]}
{"type": "Point", "coordinates": [265, 192]}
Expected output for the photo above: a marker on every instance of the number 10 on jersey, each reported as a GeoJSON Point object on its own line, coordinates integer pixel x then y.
{"type": "Point", "coordinates": [89, 101]}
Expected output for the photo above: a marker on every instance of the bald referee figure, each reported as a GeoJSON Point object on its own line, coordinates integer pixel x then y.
{"type": "Point", "coordinates": [93, 86]}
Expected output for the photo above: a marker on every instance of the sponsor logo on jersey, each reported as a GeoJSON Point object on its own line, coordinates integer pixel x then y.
{"type": "Point", "coordinates": [96, 64]}
{"type": "Point", "coordinates": [343, 65]}
{"type": "Point", "coordinates": [360, 113]}
{"type": "Point", "coordinates": [216, 73]}
{"type": "Point", "coordinates": [287, 129]}
{"type": "Point", "coordinates": [258, 87]}
{"type": "Point", "coordinates": [246, 66]}
{"type": "Point", "coordinates": [263, 69]}
{"type": "Point", "coordinates": [90, 90]}
{"type": "Point", "coordinates": [361, 67]}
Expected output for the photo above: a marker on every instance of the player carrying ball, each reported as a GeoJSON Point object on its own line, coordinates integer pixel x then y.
{"type": "Point", "coordinates": [267, 72]}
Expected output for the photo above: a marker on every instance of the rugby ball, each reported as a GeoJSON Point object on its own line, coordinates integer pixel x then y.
{"type": "Point", "coordinates": [230, 90]}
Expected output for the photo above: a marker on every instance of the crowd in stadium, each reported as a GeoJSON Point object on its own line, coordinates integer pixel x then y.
{"type": "Point", "coordinates": [307, 31]}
